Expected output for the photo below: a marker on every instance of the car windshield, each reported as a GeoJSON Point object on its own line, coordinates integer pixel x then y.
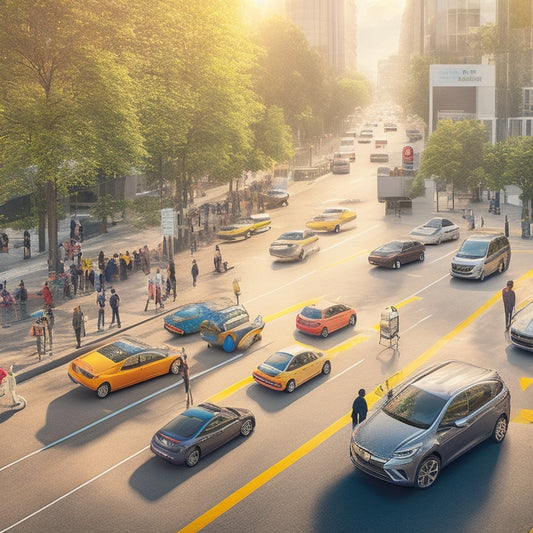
{"type": "Point", "coordinates": [290, 236]}
{"type": "Point", "coordinates": [473, 249]}
{"type": "Point", "coordinates": [394, 246]}
{"type": "Point", "coordinates": [332, 211]}
{"type": "Point", "coordinates": [311, 312]}
{"type": "Point", "coordinates": [415, 407]}
{"type": "Point", "coordinates": [433, 223]}
{"type": "Point", "coordinates": [184, 426]}
{"type": "Point", "coordinates": [120, 350]}
{"type": "Point", "coordinates": [279, 360]}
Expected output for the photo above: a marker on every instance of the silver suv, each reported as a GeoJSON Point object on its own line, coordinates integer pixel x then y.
{"type": "Point", "coordinates": [430, 420]}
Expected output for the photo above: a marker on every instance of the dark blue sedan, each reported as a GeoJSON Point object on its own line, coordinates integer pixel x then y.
{"type": "Point", "coordinates": [187, 318]}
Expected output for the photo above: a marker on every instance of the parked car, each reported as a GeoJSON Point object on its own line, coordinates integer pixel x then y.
{"type": "Point", "coordinates": [379, 157]}
{"type": "Point", "coordinates": [187, 318]}
{"type": "Point", "coordinates": [294, 245]}
{"type": "Point", "coordinates": [274, 198]}
{"type": "Point", "coordinates": [414, 135]}
{"type": "Point", "coordinates": [325, 317]}
{"type": "Point", "coordinates": [365, 137]}
{"type": "Point", "coordinates": [428, 421]}
{"type": "Point", "coordinates": [288, 368]}
{"type": "Point", "coordinates": [245, 227]}
{"type": "Point", "coordinates": [331, 219]}
{"type": "Point", "coordinates": [230, 328]}
{"type": "Point", "coordinates": [199, 431]}
{"type": "Point", "coordinates": [390, 126]}
{"type": "Point", "coordinates": [436, 230]}
{"type": "Point", "coordinates": [521, 331]}
{"type": "Point", "coordinates": [124, 362]}
{"type": "Point", "coordinates": [481, 255]}
{"type": "Point", "coordinates": [394, 254]}
{"type": "Point", "coordinates": [340, 165]}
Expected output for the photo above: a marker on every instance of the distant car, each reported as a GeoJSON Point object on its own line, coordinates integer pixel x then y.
{"type": "Point", "coordinates": [340, 165]}
{"type": "Point", "coordinates": [379, 157]}
{"type": "Point", "coordinates": [521, 331]}
{"type": "Point", "coordinates": [394, 254]}
{"type": "Point", "coordinates": [124, 362]}
{"type": "Point", "coordinates": [274, 198]}
{"type": "Point", "coordinates": [365, 136]}
{"type": "Point", "coordinates": [199, 431]}
{"type": "Point", "coordinates": [294, 245]}
{"type": "Point", "coordinates": [414, 135]}
{"type": "Point", "coordinates": [436, 230]}
{"type": "Point", "coordinates": [230, 328]}
{"type": "Point", "coordinates": [428, 421]}
{"type": "Point", "coordinates": [331, 219]}
{"type": "Point", "coordinates": [187, 318]}
{"type": "Point", "coordinates": [245, 227]}
{"type": "Point", "coordinates": [325, 317]}
{"type": "Point", "coordinates": [390, 126]}
{"type": "Point", "coordinates": [288, 368]}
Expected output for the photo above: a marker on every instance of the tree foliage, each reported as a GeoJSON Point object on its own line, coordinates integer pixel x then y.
{"type": "Point", "coordinates": [415, 95]}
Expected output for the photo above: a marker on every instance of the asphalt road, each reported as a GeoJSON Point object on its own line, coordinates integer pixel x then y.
{"type": "Point", "coordinates": [71, 462]}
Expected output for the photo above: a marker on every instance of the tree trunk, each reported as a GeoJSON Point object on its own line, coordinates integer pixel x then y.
{"type": "Point", "coordinates": [51, 212]}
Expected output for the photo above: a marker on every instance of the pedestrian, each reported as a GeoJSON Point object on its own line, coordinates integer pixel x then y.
{"type": "Point", "coordinates": [145, 260]}
{"type": "Point", "coordinates": [27, 244]}
{"type": "Point", "coordinates": [7, 305]}
{"type": "Point", "coordinates": [23, 299]}
{"type": "Point", "coordinates": [509, 300]}
{"type": "Point", "coordinates": [100, 304]}
{"type": "Point", "coordinates": [74, 278]}
{"type": "Point", "coordinates": [217, 260]}
{"type": "Point", "coordinates": [194, 272]}
{"type": "Point", "coordinates": [37, 331]}
{"type": "Point", "coordinates": [62, 255]}
{"type": "Point", "coordinates": [184, 374]}
{"type": "Point", "coordinates": [359, 408]}
{"type": "Point", "coordinates": [101, 261]}
{"type": "Point", "coordinates": [114, 302]}
{"type": "Point", "coordinates": [158, 288]}
{"type": "Point", "coordinates": [47, 296]}
{"type": "Point", "coordinates": [47, 320]}
{"type": "Point", "coordinates": [171, 279]}
{"type": "Point", "coordinates": [77, 324]}
{"type": "Point", "coordinates": [151, 293]}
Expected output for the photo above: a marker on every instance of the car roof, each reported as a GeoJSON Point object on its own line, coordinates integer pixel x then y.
{"type": "Point", "coordinates": [448, 378]}
{"type": "Point", "coordinates": [204, 411]}
{"type": "Point", "coordinates": [293, 349]}
{"type": "Point", "coordinates": [484, 236]}
{"type": "Point", "coordinates": [323, 304]}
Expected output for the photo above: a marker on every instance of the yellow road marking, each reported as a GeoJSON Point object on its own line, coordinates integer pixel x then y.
{"type": "Point", "coordinates": [257, 482]}
{"type": "Point", "coordinates": [288, 310]}
{"type": "Point", "coordinates": [525, 382]}
{"type": "Point", "coordinates": [230, 390]}
{"type": "Point", "coordinates": [346, 259]}
{"type": "Point", "coordinates": [525, 417]}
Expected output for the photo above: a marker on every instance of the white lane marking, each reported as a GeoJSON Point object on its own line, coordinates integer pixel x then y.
{"type": "Point", "coordinates": [115, 413]}
{"type": "Point", "coordinates": [356, 236]}
{"type": "Point", "coordinates": [416, 324]}
{"type": "Point", "coordinates": [76, 489]}
{"type": "Point", "coordinates": [282, 286]}
{"type": "Point", "coordinates": [428, 286]}
{"type": "Point", "coordinates": [346, 370]}
{"type": "Point", "coordinates": [443, 256]}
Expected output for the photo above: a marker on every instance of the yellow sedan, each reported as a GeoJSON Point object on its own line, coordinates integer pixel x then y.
{"type": "Point", "coordinates": [331, 219]}
{"type": "Point", "coordinates": [294, 245]}
{"type": "Point", "coordinates": [288, 368]}
{"type": "Point", "coordinates": [122, 363]}
{"type": "Point", "coordinates": [245, 227]}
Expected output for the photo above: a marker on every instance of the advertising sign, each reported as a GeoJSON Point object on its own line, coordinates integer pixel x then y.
{"type": "Point", "coordinates": [408, 155]}
{"type": "Point", "coordinates": [167, 221]}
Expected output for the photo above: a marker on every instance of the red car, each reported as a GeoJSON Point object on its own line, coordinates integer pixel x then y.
{"type": "Point", "coordinates": [325, 317]}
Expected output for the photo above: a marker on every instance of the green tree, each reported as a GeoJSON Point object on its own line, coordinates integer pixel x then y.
{"type": "Point", "coordinates": [415, 94]}
{"type": "Point", "coordinates": [519, 167]}
{"type": "Point", "coordinates": [65, 99]}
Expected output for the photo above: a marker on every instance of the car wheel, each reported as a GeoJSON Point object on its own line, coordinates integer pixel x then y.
{"type": "Point", "coordinates": [324, 333]}
{"type": "Point", "coordinates": [192, 457]}
{"type": "Point", "coordinates": [248, 235]}
{"type": "Point", "coordinates": [482, 275]}
{"type": "Point", "coordinates": [175, 367]}
{"type": "Point", "coordinates": [326, 368]}
{"type": "Point", "coordinates": [301, 255]}
{"type": "Point", "coordinates": [247, 427]}
{"type": "Point", "coordinates": [501, 267]}
{"type": "Point", "coordinates": [500, 429]}
{"type": "Point", "coordinates": [421, 257]}
{"type": "Point", "coordinates": [103, 390]}
{"type": "Point", "coordinates": [353, 320]}
{"type": "Point", "coordinates": [285, 204]}
{"type": "Point", "coordinates": [397, 264]}
{"type": "Point", "coordinates": [427, 472]}
{"type": "Point", "coordinates": [439, 240]}
{"type": "Point", "coordinates": [337, 228]}
{"type": "Point", "coordinates": [290, 386]}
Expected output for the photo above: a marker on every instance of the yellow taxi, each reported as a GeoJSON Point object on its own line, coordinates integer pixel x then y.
{"type": "Point", "coordinates": [294, 245]}
{"type": "Point", "coordinates": [331, 219]}
{"type": "Point", "coordinates": [122, 363]}
{"type": "Point", "coordinates": [288, 368]}
{"type": "Point", "coordinates": [245, 227]}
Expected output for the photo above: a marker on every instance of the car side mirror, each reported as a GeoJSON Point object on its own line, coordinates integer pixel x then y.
{"type": "Point", "coordinates": [461, 422]}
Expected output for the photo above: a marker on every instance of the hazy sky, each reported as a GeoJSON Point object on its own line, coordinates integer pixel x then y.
{"type": "Point", "coordinates": [378, 30]}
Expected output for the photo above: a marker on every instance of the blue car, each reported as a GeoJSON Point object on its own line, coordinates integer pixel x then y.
{"type": "Point", "coordinates": [187, 318]}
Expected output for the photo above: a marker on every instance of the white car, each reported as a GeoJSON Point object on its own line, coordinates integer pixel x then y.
{"type": "Point", "coordinates": [436, 230]}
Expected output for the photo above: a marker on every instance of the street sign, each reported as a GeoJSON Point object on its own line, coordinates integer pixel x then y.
{"type": "Point", "coordinates": [167, 221]}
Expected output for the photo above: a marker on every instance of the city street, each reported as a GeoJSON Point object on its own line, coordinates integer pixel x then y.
{"type": "Point", "coordinates": [72, 462]}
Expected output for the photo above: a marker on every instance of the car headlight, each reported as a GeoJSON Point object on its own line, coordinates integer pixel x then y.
{"type": "Point", "coordinates": [407, 452]}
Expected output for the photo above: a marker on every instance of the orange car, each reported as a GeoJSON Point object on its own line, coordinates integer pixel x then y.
{"type": "Point", "coordinates": [325, 317]}
{"type": "Point", "coordinates": [122, 363]}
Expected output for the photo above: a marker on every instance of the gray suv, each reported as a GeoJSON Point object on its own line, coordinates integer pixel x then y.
{"type": "Point", "coordinates": [430, 420]}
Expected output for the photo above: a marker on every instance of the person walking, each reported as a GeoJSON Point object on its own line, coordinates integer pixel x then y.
{"type": "Point", "coordinates": [194, 272]}
{"type": "Point", "coordinates": [509, 300]}
{"type": "Point", "coordinates": [114, 302]}
{"type": "Point", "coordinates": [217, 259]}
{"type": "Point", "coordinates": [184, 374]}
{"type": "Point", "coordinates": [37, 331]}
{"type": "Point", "coordinates": [171, 279]}
{"type": "Point", "coordinates": [158, 288]}
{"type": "Point", "coordinates": [23, 299]}
{"type": "Point", "coordinates": [151, 293]}
{"type": "Point", "coordinates": [100, 304]}
{"type": "Point", "coordinates": [48, 301]}
{"type": "Point", "coordinates": [359, 408]}
{"type": "Point", "coordinates": [77, 324]}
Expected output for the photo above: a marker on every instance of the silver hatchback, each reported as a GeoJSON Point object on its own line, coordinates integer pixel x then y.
{"type": "Point", "coordinates": [430, 420]}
